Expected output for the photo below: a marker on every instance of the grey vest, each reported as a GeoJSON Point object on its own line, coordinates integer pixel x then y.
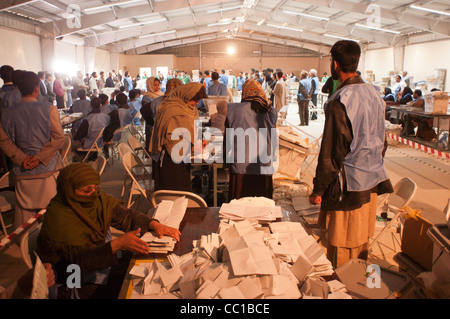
{"type": "Point", "coordinates": [364, 164]}
{"type": "Point", "coordinates": [28, 126]}
{"type": "Point", "coordinates": [242, 119]}
{"type": "Point", "coordinates": [97, 121]}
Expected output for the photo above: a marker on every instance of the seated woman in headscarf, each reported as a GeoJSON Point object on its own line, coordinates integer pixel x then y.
{"type": "Point", "coordinates": [406, 95]}
{"type": "Point", "coordinates": [76, 230]}
{"type": "Point", "coordinates": [253, 176]}
{"type": "Point", "coordinates": [149, 109]}
{"type": "Point", "coordinates": [153, 90]}
{"type": "Point", "coordinates": [388, 95]}
{"type": "Point", "coordinates": [178, 112]}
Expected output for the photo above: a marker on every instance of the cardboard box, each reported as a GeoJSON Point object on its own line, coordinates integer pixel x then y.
{"type": "Point", "coordinates": [436, 102]}
{"type": "Point", "coordinates": [416, 244]}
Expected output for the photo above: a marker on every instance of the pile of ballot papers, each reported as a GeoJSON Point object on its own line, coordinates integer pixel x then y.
{"type": "Point", "coordinates": [169, 213]}
{"type": "Point", "coordinates": [244, 260]}
{"type": "Point", "coordinates": [258, 208]}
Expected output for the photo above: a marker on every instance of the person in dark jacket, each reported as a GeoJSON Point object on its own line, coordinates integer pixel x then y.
{"type": "Point", "coordinates": [350, 170]}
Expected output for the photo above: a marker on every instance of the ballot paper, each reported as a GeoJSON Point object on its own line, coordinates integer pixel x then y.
{"type": "Point", "coordinates": [241, 212]}
{"type": "Point", "coordinates": [249, 255]}
{"type": "Point", "coordinates": [169, 213]}
{"type": "Point", "coordinates": [40, 287]}
{"type": "Point", "coordinates": [303, 207]}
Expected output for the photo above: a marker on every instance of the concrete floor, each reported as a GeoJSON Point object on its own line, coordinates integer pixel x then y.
{"type": "Point", "coordinates": [431, 174]}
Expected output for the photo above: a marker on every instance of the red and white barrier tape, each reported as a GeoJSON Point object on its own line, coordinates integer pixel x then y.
{"type": "Point", "coordinates": [5, 241]}
{"type": "Point", "coordinates": [419, 146]}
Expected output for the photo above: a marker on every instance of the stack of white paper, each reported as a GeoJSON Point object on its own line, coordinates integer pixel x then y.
{"type": "Point", "coordinates": [169, 213]}
{"type": "Point", "coordinates": [242, 261]}
{"type": "Point", "coordinates": [296, 246]}
{"type": "Point", "coordinates": [241, 212]}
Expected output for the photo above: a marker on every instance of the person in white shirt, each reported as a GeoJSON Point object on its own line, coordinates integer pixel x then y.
{"type": "Point", "coordinates": [398, 86]}
{"type": "Point", "coordinates": [93, 84]}
{"type": "Point", "coordinates": [279, 92]}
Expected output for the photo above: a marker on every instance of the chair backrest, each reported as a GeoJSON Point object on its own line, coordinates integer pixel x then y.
{"type": "Point", "coordinates": [123, 149]}
{"type": "Point", "coordinates": [133, 130]}
{"type": "Point", "coordinates": [404, 190]}
{"type": "Point", "coordinates": [99, 164]}
{"type": "Point", "coordinates": [130, 160]}
{"type": "Point", "coordinates": [28, 244]}
{"type": "Point", "coordinates": [5, 181]}
{"type": "Point", "coordinates": [194, 200]}
{"type": "Point", "coordinates": [66, 147]}
{"type": "Point", "coordinates": [136, 145]}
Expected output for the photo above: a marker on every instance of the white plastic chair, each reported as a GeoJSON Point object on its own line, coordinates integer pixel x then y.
{"type": "Point", "coordinates": [99, 164]}
{"type": "Point", "coordinates": [94, 147]}
{"type": "Point", "coordinates": [28, 244]}
{"type": "Point", "coordinates": [404, 192]}
{"type": "Point", "coordinates": [139, 186]}
{"type": "Point", "coordinates": [194, 200]}
{"type": "Point", "coordinates": [7, 199]}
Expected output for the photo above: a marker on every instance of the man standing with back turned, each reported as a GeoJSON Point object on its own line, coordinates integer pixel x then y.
{"type": "Point", "coordinates": [350, 171]}
{"type": "Point", "coordinates": [31, 135]}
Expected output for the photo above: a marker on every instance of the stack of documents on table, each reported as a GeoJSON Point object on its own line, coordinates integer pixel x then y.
{"type": "Point", "coordinates": [242, 261]}
{"type": "Point", "coordinates": [308, 211]}
{"type": "Point", "coordinates": [258, 208]}
{"type": "Point", "coordinates": [295, 245]}
{"type": "Point", "coordinates": [169, 213]}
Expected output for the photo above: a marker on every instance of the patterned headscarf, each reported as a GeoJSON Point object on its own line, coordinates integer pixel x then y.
{"type": "Point", "coordinates": [253, 92]}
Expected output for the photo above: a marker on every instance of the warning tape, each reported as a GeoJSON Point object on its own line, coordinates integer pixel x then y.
{"type": "Point", "coordinates": [419, 146]}
{"type": "Point", "coordinates": [5, 241]}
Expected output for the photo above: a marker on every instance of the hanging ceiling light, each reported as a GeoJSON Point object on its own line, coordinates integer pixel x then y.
{"type": "Point", "coordinates": [156, 34]}
{"type": "Point", "coordinates": [337, 37]}
{"type": "Point", "coordinates": [305, 15]}
{"type": "Point", "coordinates": [422, 8]}
{"type": "Point", "coordinates": [378, 29]}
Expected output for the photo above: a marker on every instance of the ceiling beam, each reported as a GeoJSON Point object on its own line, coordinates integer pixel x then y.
{"type": "Point", "coordinates": [414, 20]}
{"type": "Point", "coordinates": [11, 4]}
{"type": "Point", "coordinates": [152, 44]}
{"type": "Point", "coordinates": [341, 30]}
{"type": "Point", "coordinates": [180, 23]}
{"type": "Point", "coordinates": [60, 27]}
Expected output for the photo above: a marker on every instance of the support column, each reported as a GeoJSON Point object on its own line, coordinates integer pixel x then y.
{"type": "Point", "coordinates": [47, 54]}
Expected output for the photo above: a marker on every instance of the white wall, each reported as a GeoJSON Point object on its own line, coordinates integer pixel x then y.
{"type": "Point", "coordinates": [421, 60]}
{"type": "Point", "coordinates": [20, 50]}
{"type": "Point", "coordinates": [380, 61]}
{"type": "Point", "coordinates": [102, 61]}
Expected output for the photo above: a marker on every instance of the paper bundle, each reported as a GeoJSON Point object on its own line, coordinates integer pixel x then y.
{"type": "Point", "coordinates": [169, 213]}
{"type": "Point", "coordinates": [257, 208]}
